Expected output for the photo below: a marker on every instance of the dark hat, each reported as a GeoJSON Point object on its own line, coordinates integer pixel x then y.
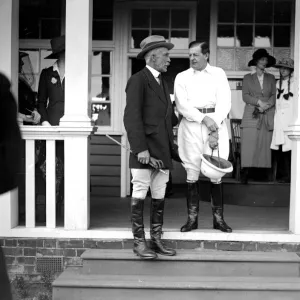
{"type": "Point", "coordinates": [260, 53]}
{"type": "Point", "coordinates": [57, 46]}
{"type": "Point", "coordinates": [286, 63]}
{"type": "Point", "coordinates": [152, 42]}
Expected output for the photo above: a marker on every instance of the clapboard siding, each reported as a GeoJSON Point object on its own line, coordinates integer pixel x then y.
{"type": "Point", "coordinates": [105, 166]}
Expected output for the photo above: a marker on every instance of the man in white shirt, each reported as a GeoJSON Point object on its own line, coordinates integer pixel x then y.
{"type": "Point", "coordinates": [203, 98]}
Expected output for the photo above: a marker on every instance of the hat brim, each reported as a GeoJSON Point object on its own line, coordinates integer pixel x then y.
{"type": "Point", "coordinates": [54, 55]}
{"type": "Point", "coordinates": [167, 45]}
{"type": "Point", "coordinates": [285, 66]}
{"type": "Point", "coordinates": [271, 61]}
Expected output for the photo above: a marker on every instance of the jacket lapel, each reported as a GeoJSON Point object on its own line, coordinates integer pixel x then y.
{"type": "Point", "coordinates": [153, 84]}
{"type": "Point", "coordinates": [256, 82]}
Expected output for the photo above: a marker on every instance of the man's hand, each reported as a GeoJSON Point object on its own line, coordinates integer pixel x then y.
{"type": "Point", "coordinates": [210, 123]}
{"type": "Point", "coordinates": [213, 140]}
{"type": "Point", "coordinates": [36, 117]}
{"type": "Point", "coordinates": [46, 123]}
{"type": "Point", "coordinates": [156, 163]}
{"type": "Point", "coordinates": [144, 157]}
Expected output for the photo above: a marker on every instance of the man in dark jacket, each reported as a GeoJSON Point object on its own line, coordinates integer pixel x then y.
{"type": "Point", "coordinates": [148, 122]}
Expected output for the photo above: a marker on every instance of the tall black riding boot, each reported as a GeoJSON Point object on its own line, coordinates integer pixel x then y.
{"type": "Point", "coordinates": [192, 201]}
{"type": "Point", "coordinates": [140, 246]}
{"type": "Point", "coordinates": [217, 207]}
{"type": "Point", "coordinates": [157, 218]}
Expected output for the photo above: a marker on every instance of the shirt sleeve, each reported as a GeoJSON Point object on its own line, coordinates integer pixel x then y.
{"type": "Point", "coordinates": [223, 98]}
{"type": "Point", "coordinates": [247, 95]}
{"type": "Point", "coordinates": [181, 98]}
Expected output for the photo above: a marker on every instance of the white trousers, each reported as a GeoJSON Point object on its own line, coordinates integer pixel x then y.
{"type": "Point", "coordinates": [142, 179]}
{"type": "Point", "coordinates": [193, 141]}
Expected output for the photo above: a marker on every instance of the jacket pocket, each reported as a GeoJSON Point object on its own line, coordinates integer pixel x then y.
{"type": "Point", "coordinates": [151, 129]}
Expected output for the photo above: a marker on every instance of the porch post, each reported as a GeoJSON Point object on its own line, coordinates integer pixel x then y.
{"type": "Point", "coordinates": [9, 35]}
{"type": "Point", "coordinates": [76, 121]}
{"type": "Point", "coordinates": [294, 134]}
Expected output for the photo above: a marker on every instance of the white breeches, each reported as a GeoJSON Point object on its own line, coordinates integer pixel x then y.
{"type": "Point", "coordinates": [142, 179]}
{"type": "Point", "coordinates": [193, 141]}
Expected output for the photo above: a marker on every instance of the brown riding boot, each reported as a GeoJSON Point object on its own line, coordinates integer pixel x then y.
{"type": "Point", "coordinates": [140, 246]}
{"type": "Point", "coordinates": [157, 216]}
{"type": "Point", "coordinates": [192, 206]}
{"type": "Point", "coordinates": [217, 208]}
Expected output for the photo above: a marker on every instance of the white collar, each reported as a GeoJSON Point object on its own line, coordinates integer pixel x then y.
{"type": "Point", "coordinates": [207, 69]}
{"type": "Point", "coordinates": [154, 72]}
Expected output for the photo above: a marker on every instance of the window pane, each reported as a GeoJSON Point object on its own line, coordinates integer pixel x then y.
{"type": "Point", "coordinates": [101, 114]}
{"type": "Point", "coordinates": [244, 36]}
{"type": "Point", "coordinates": [103, 9]}
{"type": "Point", "coordinates": [225, 59]}
{"type": "Point", "coordinates": [180, 39]}
{"type": "Point", "coordinates": [263, 11]}
{"type": "Point", "coordinates": [180, 19]}
{"type": "Point", "coordinates": [282, 53]}
{"type": "Point", "coordinates": [225, 36]}
{"type": "Point", "coordinates": [245, 11]}
{"type": "Point", "coordinates": [100, 88]}
{"type": "Point", "coordinates": [282, 36]}
{"type": "Point", "coordinates": [226, 11]}
{"type": "Point", "coordinates": [140, 18]}
{"type": "Point", "coordinates": [102, 30]}
{"type": "Point", "coordinates": [137, 36]}
{"type": "Point", "coordinates": [263, 36]}
{"type": "Point", "coordinates": [242, 57]}
{"type": "Point", "coordinates": [50, 28]}
{"type": "Point", "coordinates": [100, 63]}
{"type": "Point", "coordinates": [160, 18]}
{"type": "Point", "coordinates": [282, 11]}
{"type": "Point", "coordinates": [28, 27]}
{"type": "Point", "coordinates": [164, 33]}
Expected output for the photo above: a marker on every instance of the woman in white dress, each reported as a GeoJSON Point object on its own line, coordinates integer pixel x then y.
{"type": "Point", "coordinates": [283, 116]}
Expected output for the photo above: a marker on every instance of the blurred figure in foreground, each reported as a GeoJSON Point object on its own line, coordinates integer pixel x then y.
{"type": "Point", "coordinates": [10, 139]}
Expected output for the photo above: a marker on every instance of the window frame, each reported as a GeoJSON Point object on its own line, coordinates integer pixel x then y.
{"type": "Point", "coordinates": [187, 5]}
{"type": "Point", "coordinates": [214, 35]}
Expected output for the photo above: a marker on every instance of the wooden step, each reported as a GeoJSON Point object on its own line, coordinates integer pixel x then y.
{"type": "Point", "coordinates": [75, 285]}
{"type": "Point", "coordinates": [192, 263]}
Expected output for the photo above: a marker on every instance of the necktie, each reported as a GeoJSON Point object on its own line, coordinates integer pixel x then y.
{"type": "Point", "coordinates": [159, 79]}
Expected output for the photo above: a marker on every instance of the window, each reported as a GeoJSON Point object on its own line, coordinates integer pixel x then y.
{"type": "Point", "coordinates": [101, 82]}
{"type": "Point", "coordinates": [173, 24]}
{"type": "Point", "coordinates": [40, 19]}
{"type": "Point", "coordinates": [245, 25]}
{"type": "Point", "coordinates": [103, 20]}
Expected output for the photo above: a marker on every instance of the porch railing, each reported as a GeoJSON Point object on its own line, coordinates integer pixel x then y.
{"type": "Point", "coordinates": [76, 202]}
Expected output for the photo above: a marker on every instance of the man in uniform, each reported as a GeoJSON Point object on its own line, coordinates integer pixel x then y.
{"type": "Point", "coordinates": [148, 122]}
{"type": "Point", "coordinates": [203, 98]}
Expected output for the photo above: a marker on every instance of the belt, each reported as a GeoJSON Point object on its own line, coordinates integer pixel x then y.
{"type": "Point", "coordinates": [206, 110]}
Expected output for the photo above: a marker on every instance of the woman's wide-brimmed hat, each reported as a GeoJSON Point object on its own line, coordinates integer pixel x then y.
{"type": "Point", "coordinates": [152, 42]}
{"type": "Point", "coordinates": [260, 53]}
{"type": "Point", "coordinates": [57, 46]}
{"type": "Point", "coordinates": [286, 63]}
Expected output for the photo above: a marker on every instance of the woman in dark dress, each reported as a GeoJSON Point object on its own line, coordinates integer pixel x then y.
{"type": "Point", "coordinates": [259, 91]}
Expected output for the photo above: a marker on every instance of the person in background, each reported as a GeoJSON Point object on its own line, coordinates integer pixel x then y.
{"type": "Point", "coordinates": [281, 144]}
{"type": "Point", "coordinates": [10, 161]}
{"type": "Point", "coordinates": [28, 113]}
{"type": "Point", "coordinates": [148, 123]}
{"type": "Point", "coordinates": [51, 106]}
{"type": "Point", "coordinates": [203, 98]}
{"type": "Point", "coordinates": [259, 90]}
